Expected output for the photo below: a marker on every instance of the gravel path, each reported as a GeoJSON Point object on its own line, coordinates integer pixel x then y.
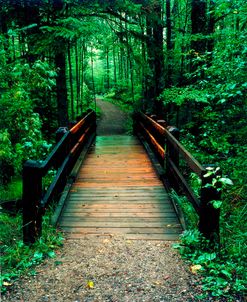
{"type": "Point", "coordinates": [111, 269]}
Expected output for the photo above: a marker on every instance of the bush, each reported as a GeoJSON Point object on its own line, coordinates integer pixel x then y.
{"type": "Point", "coordinates": [6, 158]}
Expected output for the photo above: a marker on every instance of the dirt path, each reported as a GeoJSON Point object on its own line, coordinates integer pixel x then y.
{"type": "Point", "coordinates": [109, 270]}
{"type": "Point", "coordinates": [113, 120]}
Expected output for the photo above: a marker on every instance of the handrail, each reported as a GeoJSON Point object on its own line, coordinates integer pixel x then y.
{"type": "Point", "coordinates": [63, 157]}
{"type": "Point", "coordinates": [166, 146]}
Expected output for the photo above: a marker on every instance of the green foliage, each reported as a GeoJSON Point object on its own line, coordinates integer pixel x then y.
{"type": "Point", "coordinates": [223, 276]}
{"type": "Point", "coordinates": [181, 95]}
{"type": "Point", "coordinates": [189, 213]}
{"type": "Point", "coordinates": [12, 191]}
{"type": "Point", "coordinates": [22, 138]}
{"type": "Point", "coordinates": [6, 157]}
{"type": "Point", "coordinates": [18, 259]}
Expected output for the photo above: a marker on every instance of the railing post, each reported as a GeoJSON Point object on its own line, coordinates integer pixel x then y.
{"type": "Point", "coordinates": [32, 194]}
{"type": "Point", "coordinates": [60, 133]}
{"type": "Point", "coordinates": [163, 124]}
{"type": "Point", "coordinates": [209, 220]}
{"type": "Point", "coordinates": [173, 154]}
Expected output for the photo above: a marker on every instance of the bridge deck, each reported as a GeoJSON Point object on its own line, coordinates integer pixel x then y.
{"type": "Point", "coordinates": [117, 191]}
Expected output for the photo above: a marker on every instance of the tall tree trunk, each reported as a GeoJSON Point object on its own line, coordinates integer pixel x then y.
{"type": "Point", "coordinates": [71, 83]}
{"type": "Point", "coordinates": [82, 74]}
{"type": "Point", "coordinates": [149, 78]}
{"type": "Point", "coordinates": [169, 43]}
{"type": "Point", "coordinates": [60, 62]}
{"type": "Point", "coordinates": [114, 64]}
{"type": "Point", "coordinates": [107, 68]}
{"type": "Point", "coordinates": [62, 103]}
{"type": "Point", "coordinates": [130, 64]}
{"type": "Point", "coordinates": [92, 70]}
{"type": "Point", "coordinates": [77, 79]}
{"type": "Point", "coordinates": [203, 25]}
{"type": "Point", "coordinates": [155, 81]}
{"type": "Point", "coordinates": [198, 26]}
{"type": "Point", "coordinates": [159, 55]}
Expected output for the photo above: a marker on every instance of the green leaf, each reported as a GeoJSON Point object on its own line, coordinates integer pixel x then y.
{"type": "Point", "coordinates": [216, 203]}
{"type": "Point", "coordinates": [51, 254]}
{"type": "Point", "coordinates": [226, 181]}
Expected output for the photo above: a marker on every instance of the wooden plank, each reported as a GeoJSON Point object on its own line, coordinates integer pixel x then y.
{"type": "Point", "coordinates": [117, 191]}
{"type": "Point", "coordinates": [120, 215]}
{"type": "Point", "coordinates": [92, 230]}
{"type": "Point", "coordinates": [115, 224]}
{"type": "Point", "coordinates": [154, 237]}
{"type": "Point", "coordinates": [129, 207]}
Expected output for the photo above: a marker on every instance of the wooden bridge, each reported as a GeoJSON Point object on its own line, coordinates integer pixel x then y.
{"type": "Point", "coordinates": [115, 184]}
{"type": "Point", "coordinates": [117, 191]}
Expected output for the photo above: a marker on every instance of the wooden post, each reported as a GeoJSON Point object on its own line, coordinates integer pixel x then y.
{"type": "Point", "coordinates": [60, 133]}
{"type": "Point", "coordinates": [209, 222]}
{"type": "Point", "coordinates": [161, 138]}
{"type": "Point", "coordinates": [32, 194]}
{"type": "Point", "coordinates": [173, 154]}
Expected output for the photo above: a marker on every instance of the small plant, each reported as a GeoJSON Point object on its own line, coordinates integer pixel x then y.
{"type": "Point", "coordinates": [190, 215]}
{"type": "Point", "coordinates": [18, 259]}
{"type": "Point", "coordinates": [223, 276]}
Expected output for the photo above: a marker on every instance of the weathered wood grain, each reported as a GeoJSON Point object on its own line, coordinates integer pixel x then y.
{"type": "Point", "coordinates": [118, 192]}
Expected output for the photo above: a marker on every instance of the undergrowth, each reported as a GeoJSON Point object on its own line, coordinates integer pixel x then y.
{"type": "Point", "coordinates": [12, 191]}
{"type": "Point", "coordinates": [224, 275]}
{"type": "Point", "coordinates": [17, 258]}
{"type": "Point", "coordinates": [222, 266]}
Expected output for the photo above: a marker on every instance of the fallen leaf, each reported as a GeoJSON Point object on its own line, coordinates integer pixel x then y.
{"type": "Point", "coordinates": [166, 277]}
{"type": "Point", "coordinates": [90, 284]}
{"type": "Point", "coordinates": [5, 283]}
{"type": "Point", "coordinates": [157, 282]}
{"type": "Point", "coordinates": [195, 268]}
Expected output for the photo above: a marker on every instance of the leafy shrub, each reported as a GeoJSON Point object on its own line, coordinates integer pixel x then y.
{"type": "Point", "coordinates": [17, 258]}
{"type": "Point", "coordinates": [223, 276]}
{"type": "Point", "coordinates": [6, 158]}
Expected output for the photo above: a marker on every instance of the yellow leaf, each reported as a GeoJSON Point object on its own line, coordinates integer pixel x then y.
{"type": "Point", "coordinates": [195, 268]}
{"type": "Point", "coordinates": [90, 284]}
{"type": "Point", "coordinates": [5, 283]}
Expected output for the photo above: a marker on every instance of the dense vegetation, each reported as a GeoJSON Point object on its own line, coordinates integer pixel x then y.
{"type": "Point", "coordinates": [183, 60]}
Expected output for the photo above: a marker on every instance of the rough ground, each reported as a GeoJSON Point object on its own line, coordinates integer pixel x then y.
{"type": "Point", "coordinates": [113, 120]}
{"type": "Point", "coordinates": [109, 269]}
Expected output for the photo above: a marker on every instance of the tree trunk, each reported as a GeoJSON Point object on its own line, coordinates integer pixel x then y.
{"type": "Point", "coordinates": [92, 70]}
{"type": "Point", "coordinates": [71, 83]}
{"type": "Point", "coordinates": [204, 26]}
{"type": "Point", "coordinates": [62, 103]}
{"type": "Point", "coordinates": [155, 75]}
{"type": "Point", "coordinates": [107, 69]}
{"type": "Point", "coordinates": [169, 43]}
{"type": "Point", "coordinates": [114, 64]}
{"type": "Point", "coordinates": [77, 79]}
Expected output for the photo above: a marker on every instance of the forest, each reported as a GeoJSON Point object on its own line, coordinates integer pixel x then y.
{"type": "Point", "coordinates": [183, 60]}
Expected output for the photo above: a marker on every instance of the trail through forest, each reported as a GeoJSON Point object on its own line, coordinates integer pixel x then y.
{"type": "Point", "coordinates": [109, 268]}
{"type": "Point", "coordinates": [113, 119]}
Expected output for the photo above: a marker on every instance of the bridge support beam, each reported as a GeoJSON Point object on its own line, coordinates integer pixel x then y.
{"type": "Point", "coordinates": [32, 194]}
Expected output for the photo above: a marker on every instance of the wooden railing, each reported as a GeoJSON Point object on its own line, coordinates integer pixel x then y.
{"type": "Point", "coordinates": [164, 141]}
{"type": "Point", "coordinates": [62, 158]}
